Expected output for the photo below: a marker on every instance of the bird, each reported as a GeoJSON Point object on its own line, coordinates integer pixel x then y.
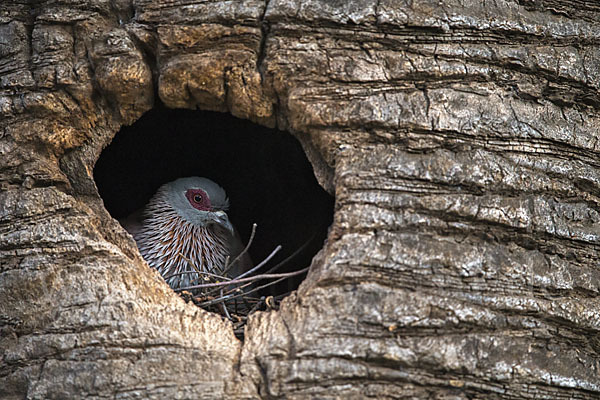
{"type": "Point", "coordinates": [186, 221]}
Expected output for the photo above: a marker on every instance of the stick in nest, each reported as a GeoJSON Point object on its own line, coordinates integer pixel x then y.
{"type": "Point", "coordinates": [226, 290]}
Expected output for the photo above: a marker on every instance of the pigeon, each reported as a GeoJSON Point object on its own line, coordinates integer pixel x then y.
{"type": "Point", "coordinates": [186, 222]}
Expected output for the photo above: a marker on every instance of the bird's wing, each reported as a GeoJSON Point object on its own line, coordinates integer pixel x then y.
{"type": "Point", "coordinates": [133, 222]}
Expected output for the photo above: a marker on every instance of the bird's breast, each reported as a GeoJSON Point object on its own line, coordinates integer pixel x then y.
{"type": "Point", "coordinates": [179, 250]}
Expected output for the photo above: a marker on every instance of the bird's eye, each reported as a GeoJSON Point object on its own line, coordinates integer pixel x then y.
{"type": "Point", "coordinates": [198, 198]}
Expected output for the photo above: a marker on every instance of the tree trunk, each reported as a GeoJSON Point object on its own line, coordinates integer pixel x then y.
{"type": "Point", "coordinates": [460, 138]}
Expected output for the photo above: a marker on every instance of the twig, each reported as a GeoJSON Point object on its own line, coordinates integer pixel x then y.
{"type": "Point", "coordinates": [287, 275]}
{"type": "Point", "coordinates": [229, 295]}
{"type": "Point", "coordinates": [243, 280]}
{"type": "Point", "coordinates": [266, 260]}
{"type": "Point", "coordinates": [221, 291]}
{"type": "Point", "coordinates": [237, 279]}
{"type": "Point", "coordinates": [224, 307]}
{"type": "Point", "coordinates": [193, 266]}
{"type": "Point", "coordinates": [190, 262]}
{"type": "Point", "coordinates": [201, 273]}
{"type": "Point", "coordinates": [252, 233]}
{"type": "Point", "coordinates": [240, 288]}
{"type": "Point", "coordinates": [224, 269]}
{"type": "Point", "coordinates": [278, 265]}
{"type": "Point", "coordinates": [294, 254]}
{"type": "Point", "coordinates": [255, 307]}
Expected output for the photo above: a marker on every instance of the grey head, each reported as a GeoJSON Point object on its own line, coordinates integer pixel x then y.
{"type": "Point", "coordinates": [198, 201]}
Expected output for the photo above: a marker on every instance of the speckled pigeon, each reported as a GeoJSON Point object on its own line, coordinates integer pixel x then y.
{"type": "Point", "coordinates": [186, 217]}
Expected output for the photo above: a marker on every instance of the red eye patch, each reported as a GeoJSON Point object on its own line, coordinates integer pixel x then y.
{"type": "Point", "coordinates": [198, 199]}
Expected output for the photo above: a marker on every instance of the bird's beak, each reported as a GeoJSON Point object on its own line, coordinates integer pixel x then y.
{"type": "Point", "coordinates": [221, 218]}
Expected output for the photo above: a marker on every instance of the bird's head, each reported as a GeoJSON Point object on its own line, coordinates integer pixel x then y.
{"type": "Point", "coordinates": [199, 201]}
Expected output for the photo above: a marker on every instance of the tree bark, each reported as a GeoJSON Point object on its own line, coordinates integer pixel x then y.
{"type": "Point", "coordinates": [460, 138]}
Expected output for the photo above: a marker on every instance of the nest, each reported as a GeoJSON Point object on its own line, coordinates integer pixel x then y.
{"type": "Point", "coordinates": [237, 297]}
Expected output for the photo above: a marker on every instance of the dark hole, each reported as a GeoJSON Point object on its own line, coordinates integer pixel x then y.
{"type": "Point", "coordinates": [265, 173]}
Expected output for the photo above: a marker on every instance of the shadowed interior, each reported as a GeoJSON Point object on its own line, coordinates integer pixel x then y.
{"type": "Point", "coordinates": [264, 171]}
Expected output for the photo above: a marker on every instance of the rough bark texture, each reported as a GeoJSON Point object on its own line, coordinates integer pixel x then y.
{"type": "Point", "coordinates": [460, 138]}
